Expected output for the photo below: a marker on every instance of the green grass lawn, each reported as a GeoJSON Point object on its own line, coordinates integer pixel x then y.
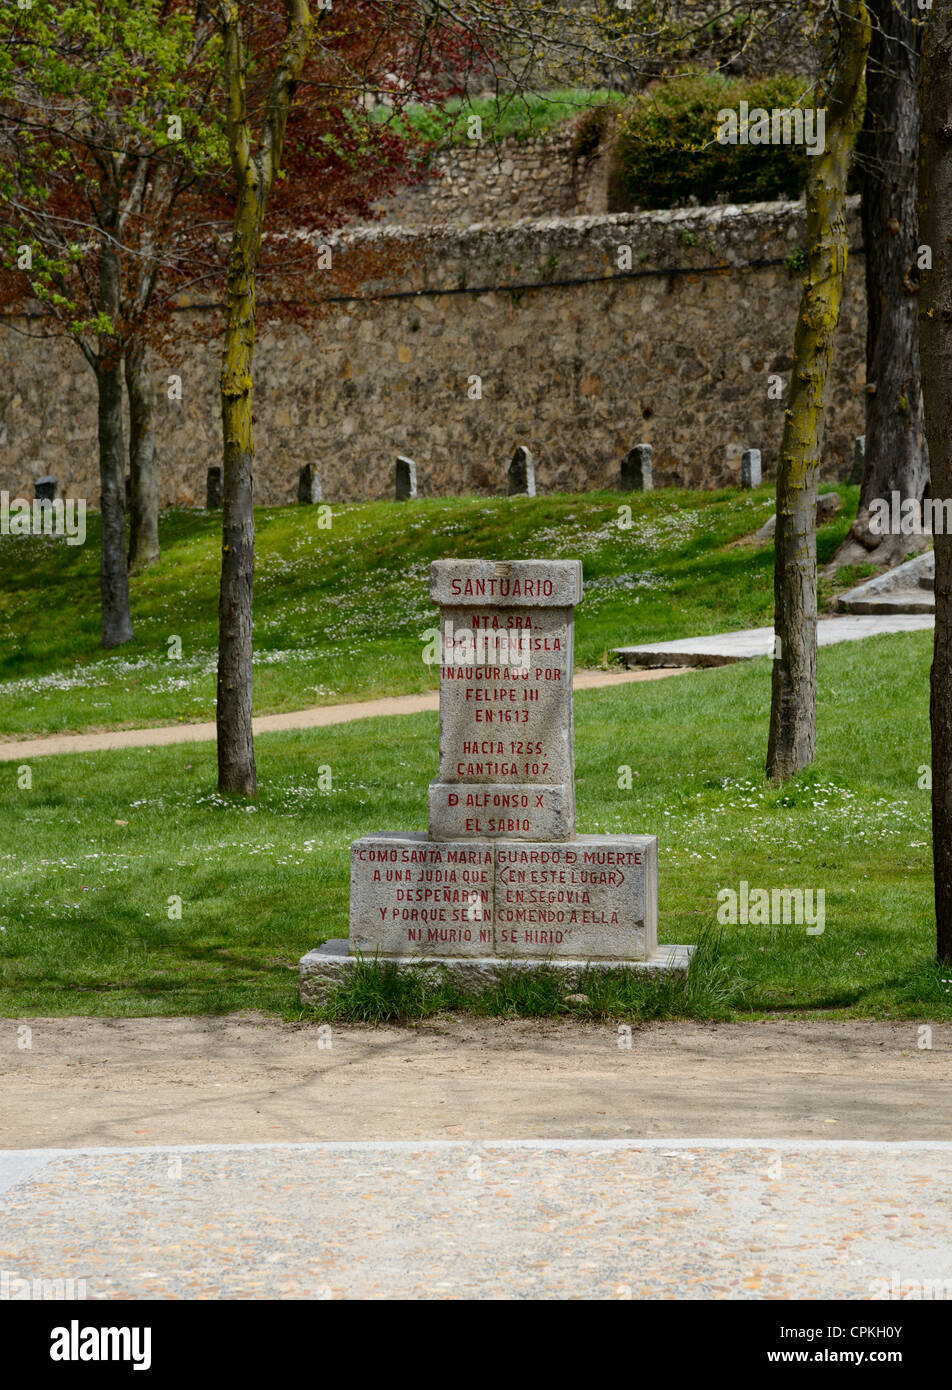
{"type": "Point", "coordinates": [513, 115]}
{"type": "Point", "coordinates": [95, 852]}
{"type": "Point", "coordinates": [339, 612]}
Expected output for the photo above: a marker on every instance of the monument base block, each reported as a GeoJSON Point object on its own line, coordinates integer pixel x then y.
{"type": "Point", "coordinates": [331, 964]}
{"type": "Point", "coordinates": [591, 898]}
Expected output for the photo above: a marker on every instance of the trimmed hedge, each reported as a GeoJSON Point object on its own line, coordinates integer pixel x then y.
{"type": "Point", "coordinates": [665, 149]}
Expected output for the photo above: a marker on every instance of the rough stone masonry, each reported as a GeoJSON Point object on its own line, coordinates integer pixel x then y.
{"type": "Point", "coordinates": [579, 360]}
{"type": "Point", "coordinates": [502, 879]}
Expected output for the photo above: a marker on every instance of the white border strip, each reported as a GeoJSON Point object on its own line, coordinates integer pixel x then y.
{"type": "Point", "coordinates": [16, 1165]}
{"type": "Point", "coordinates": [882, 1146]}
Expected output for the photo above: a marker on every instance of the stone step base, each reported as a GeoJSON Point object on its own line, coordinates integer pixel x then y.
{"type": "Point", "coordinates": [918, 600]}
{"type": "Point", "coordinates": [906, 588]}
{"type": "Point", "coordinates": [331, 963]}
{"type": "Point", "coordinates": [594, 897]}
{"type": "Point", "coordinates": [726, 647]}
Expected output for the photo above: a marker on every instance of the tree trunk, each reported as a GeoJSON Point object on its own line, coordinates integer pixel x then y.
{"type": "Point", "coordinates": [792, 740]}
{"type": "Point", "coordinates": [236, 752]}
{"type": "Point", "coordinates": [143, 472]}
{"type": "Point", "coordinates": [113, 573]}
{"type": "Point", "coordinates": [254, 178]}
{"type": "Point", "coordinates": [935, 327]}
{"type": "Point", "coordinates": [897, 459]}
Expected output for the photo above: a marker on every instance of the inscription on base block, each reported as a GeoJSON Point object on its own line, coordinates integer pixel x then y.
{"type": "Point", "coordinates": [412, 896]}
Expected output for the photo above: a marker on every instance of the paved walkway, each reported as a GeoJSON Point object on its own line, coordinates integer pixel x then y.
{"type": "Point", "coordinates": [317, 717]}
{"type": "Point", "coordinates": [725, 647]}
{"type": "Point", "coordinates": [612, 1219]}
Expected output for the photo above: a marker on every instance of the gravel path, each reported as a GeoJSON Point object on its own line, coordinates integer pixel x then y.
{"type": "Point", "coordinates": [533, 1219]}
{"type": "Point", "coordinates": [317, 717]}
{"type": "Point", "coordinates": [248, 1077]}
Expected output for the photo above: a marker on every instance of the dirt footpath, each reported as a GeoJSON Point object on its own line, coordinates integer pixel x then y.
{"type": "Point", "coordinates": [317, 717]}
{"type": "Point", "coordinates": [247, 1077]}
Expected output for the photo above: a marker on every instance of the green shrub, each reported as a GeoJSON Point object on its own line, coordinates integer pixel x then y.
{"type": "Point", "coordinates": [666, 149]}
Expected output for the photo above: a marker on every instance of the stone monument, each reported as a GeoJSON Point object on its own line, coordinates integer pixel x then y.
{"type": "Point", "coordinates": [310, 491]}
{"type": "Point", "coordinates": [522, 473]}
{"type": "Point", "coordinates": [636, 473]}
{"type": "Point", "coordinates": [502, 880]}
{"type": "Point", "coordinates": [405, 479]}
{"type": "Point", "coordinates": [751, 474]}
{"type": "Point", "coordinates": [213, 488]}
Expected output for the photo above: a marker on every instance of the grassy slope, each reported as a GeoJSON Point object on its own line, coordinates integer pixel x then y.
{"type": "Point", "coordinates": [516, 115]}
{"type": "Point", "coordinates": [339, 611]}
{"type": "Point", "coordinates": [85, 903]}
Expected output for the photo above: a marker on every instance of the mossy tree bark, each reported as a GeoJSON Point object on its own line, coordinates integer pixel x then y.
{"type": "Point", "coordinates": [935, 340]}
{"type": "Point", "coordinates": [255, 167]}
{"type": "Point", "coordinates": [116, 623]}
{"type": "Point", "coordinates": [792, 740]}
{"type": "Point", "coordinates": [143, 469]}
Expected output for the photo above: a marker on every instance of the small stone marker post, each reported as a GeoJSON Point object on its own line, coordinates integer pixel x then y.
{"type": "Point", "coordinates": [213, 488]}
{"type": "Point", "coordinates": [636, 474]}
{"type": "Point", "coordinates": [507, 641]}
{"type": "Point", "coordinates": [502, 880]}
{"type": "Point", "coordinates": [405, 480]}
{"type": "Point", "coordinates": [859, 459]}
{"type": "Point", "coordinates": [750, 473]}
{"type": "Point", "coordinates": [522, 474]}
{"type": "Point", "coordinates": [44, 489]}
{"type": "Point", "coordinates": [309, 485]}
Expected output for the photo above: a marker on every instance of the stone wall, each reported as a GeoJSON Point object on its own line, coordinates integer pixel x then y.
{"type": "Point", "coordinates": [503, 182]}
{"type": "Point", "coordinates": [577, 359]}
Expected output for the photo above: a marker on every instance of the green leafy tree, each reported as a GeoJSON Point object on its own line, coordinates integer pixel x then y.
{"type": "Point", "coordinates": [109, 119]}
